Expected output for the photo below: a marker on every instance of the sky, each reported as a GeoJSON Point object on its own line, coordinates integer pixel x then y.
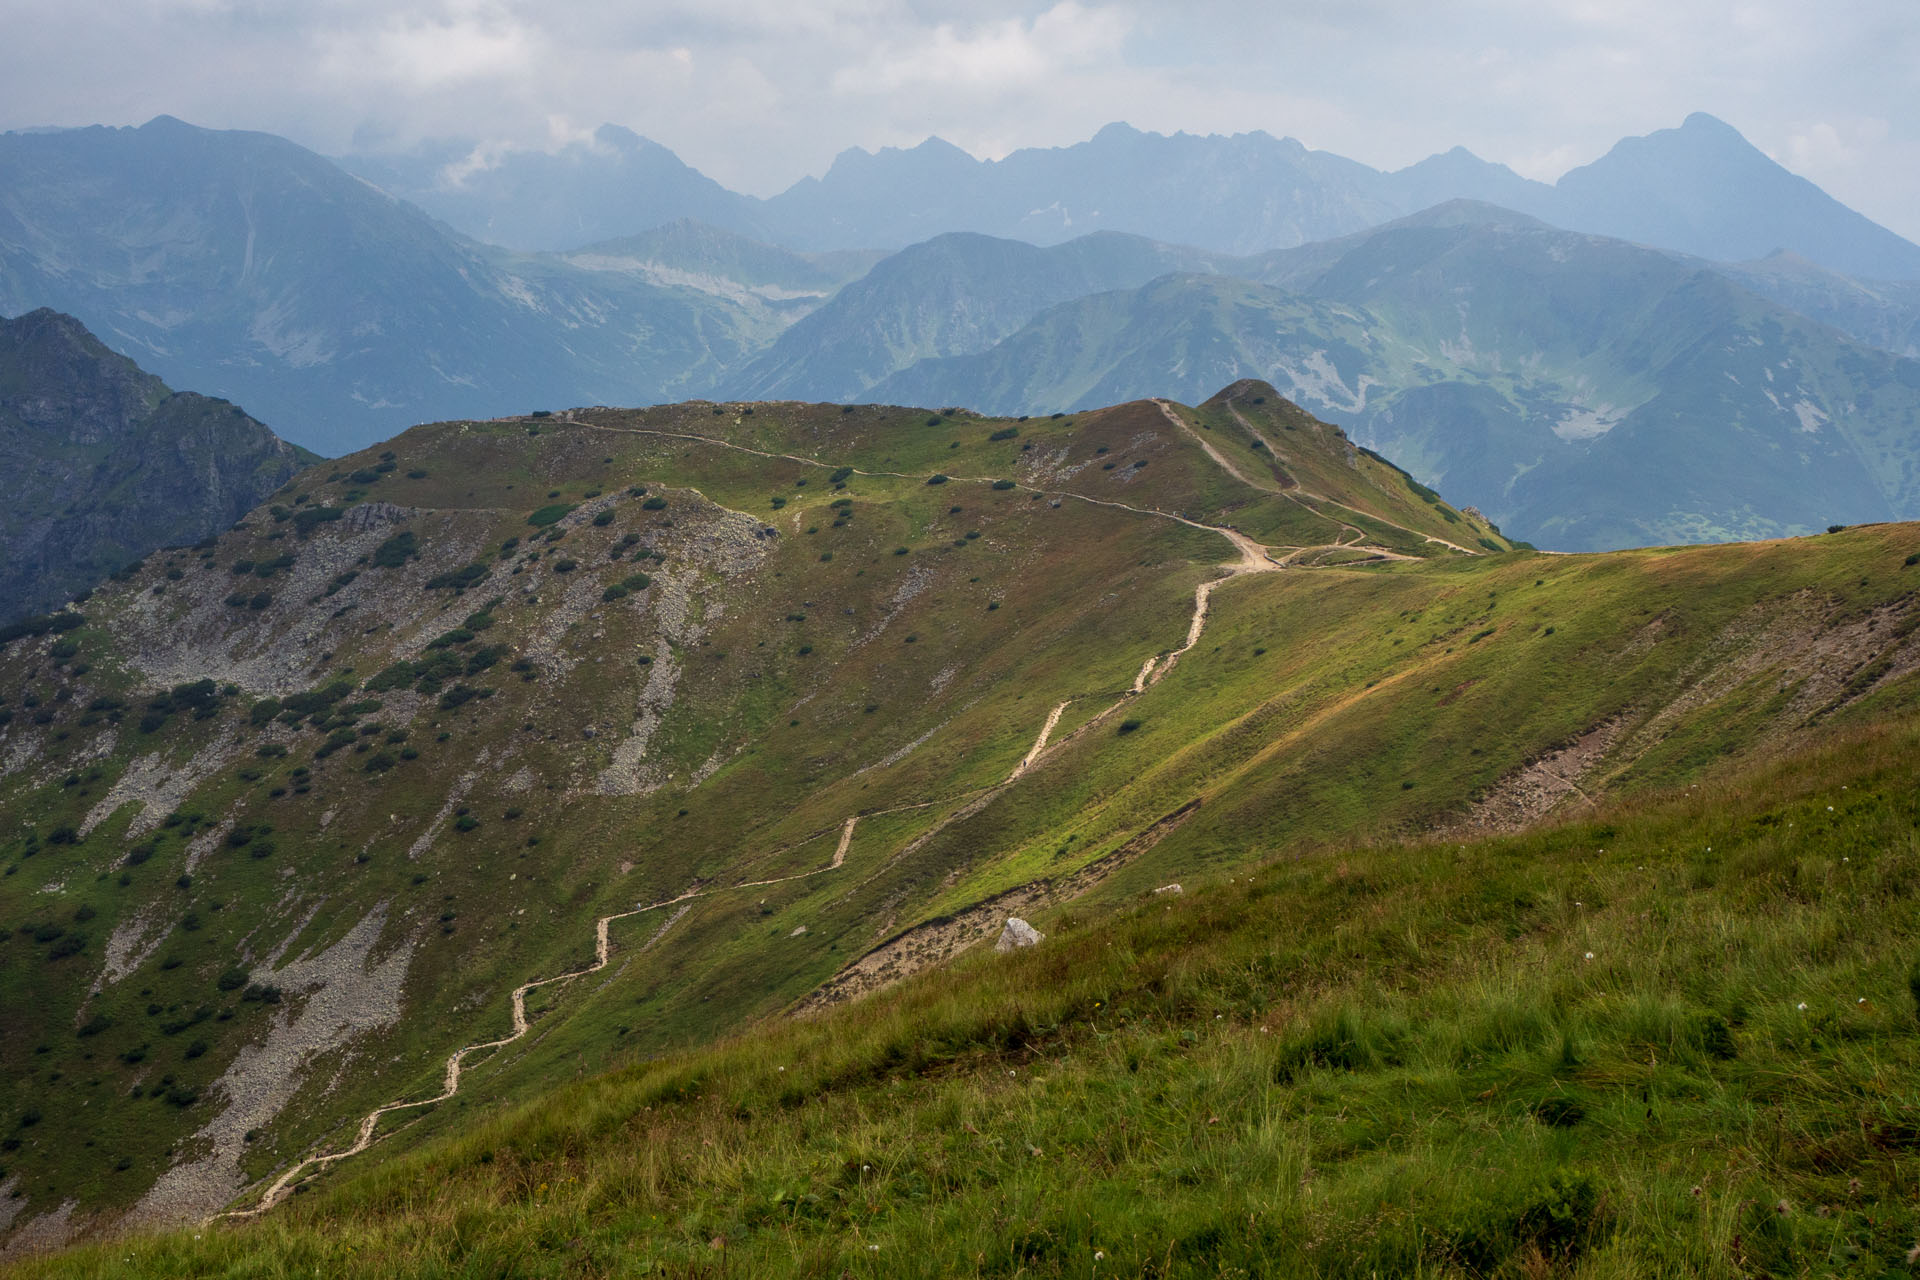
{"type": "Point", "coordinates": [759, 93]}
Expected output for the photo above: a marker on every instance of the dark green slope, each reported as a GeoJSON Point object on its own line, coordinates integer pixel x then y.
{"type": "Point", "coordinates": [105, 463]}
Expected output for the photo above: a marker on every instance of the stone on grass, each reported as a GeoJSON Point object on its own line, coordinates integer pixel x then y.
{"type": "Point", "coordinates": [1017, 934]}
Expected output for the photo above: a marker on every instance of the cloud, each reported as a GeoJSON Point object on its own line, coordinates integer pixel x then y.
{"type": "Point", "coordinates": [760, 92]}
{"type": "Point", "coordinates": [992, 56]}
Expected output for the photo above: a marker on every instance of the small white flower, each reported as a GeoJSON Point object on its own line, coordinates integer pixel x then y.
{"type": "Point", "coordinates": [1099, 1255]}
{"type": "Point", "coordinates": [873, 1248]}
{"type": "Point", "coordinates": [1589, 955]}
{"type": "Point", "coordinates": [1802, 1006]}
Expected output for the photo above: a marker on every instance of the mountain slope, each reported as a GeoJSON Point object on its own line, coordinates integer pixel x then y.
{"type": "Point", "coordinates": [1703, 189]}
{"type": "Point", "coordinates": [105, 463]}
{"type": "Point", "coordinates": [306, 772]}
{"type": "Point", "coordinates": [1585, 392]}
{"type": "Point", "coordinates": [613, 185]}
{"type": "Point", "coordinates": [1880, 313]}
{"type": "Point", "coordinates": [1471, 1057]}
{"type": "Point", "coordinates": [695, 255]}
{"type": "Point", "coordinates": [954, 294]}
{"type": "Point", "coordinates": [754, 771]}
{"type": "Point", "coordinates": [738, 689]}
{"type": "Point", "coordinates": [243, 265]}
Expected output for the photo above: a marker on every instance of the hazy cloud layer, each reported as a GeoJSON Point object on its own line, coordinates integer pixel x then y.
{"type": "Point", "coordinates": [758, 93]}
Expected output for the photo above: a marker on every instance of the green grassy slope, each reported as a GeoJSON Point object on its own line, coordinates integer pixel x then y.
{"type": "Point", "coordinates": [510, 677]}
{"type": "Point", "coordinates": [421, 857]}
{"type": "Point", "coordinates": [1675, 1037]}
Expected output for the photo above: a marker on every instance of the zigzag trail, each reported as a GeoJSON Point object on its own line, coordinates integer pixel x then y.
{"type": "Point", "coordinates": [1254, 558]}
{"type": "Point", "coordinates": [1318, 497]}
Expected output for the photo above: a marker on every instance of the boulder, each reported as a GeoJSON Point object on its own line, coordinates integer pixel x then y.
{"type": "Point", "coordinates": [1017, 934]}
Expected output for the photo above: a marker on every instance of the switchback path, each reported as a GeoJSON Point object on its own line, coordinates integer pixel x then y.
{"type": "Point", "coordinates": [1253, 558]}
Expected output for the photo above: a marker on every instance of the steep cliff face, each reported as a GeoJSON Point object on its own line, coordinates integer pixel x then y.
{"type": "Point", "coordinates": [104, 462]}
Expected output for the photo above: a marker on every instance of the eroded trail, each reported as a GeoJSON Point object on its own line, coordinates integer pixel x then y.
{"type": "Point", "coordinates": [1252, 558]}
{"type": "Point", "coordinates": [1040, 743]}
{"type": "Point", "coordinates": [1267, 444]}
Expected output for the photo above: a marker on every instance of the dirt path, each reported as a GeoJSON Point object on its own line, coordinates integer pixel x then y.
{"type": "Point", "coordinates": [282, 1186]}
{"type": "Point", "coordinates": [1040, 743]}
{"type": "Point", "coordinates": [1253, 558]}
{"type": "Point", "coordinates": [1300, 492]}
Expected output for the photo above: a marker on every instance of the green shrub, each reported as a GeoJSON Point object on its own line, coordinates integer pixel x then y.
{"type": "Point", "coordinates": [604, 519]}
{"type": "Point", "coordinates": [1005, 433]}
{"type": "Point", "coordinates": [307, 519]}
{"type": "Point", "coordinates": [654, 504]}
{"type": "Point", "coordinates": [395, 551]}
{"type": "Point", "coordinates": [39, 625]}
{"type": "Point", "coordinates": [839, 475]}
{"type": "Point", "coordinates": [459, 579]}
{"type": "Point", "coordinates": [1554, 1215]}
{"type": "Point", "coordinates": [1003, 484]}
{"type": "Point", "coordinates": [938, 477]}
{"type": "Point", "coordinates": [550, 514]}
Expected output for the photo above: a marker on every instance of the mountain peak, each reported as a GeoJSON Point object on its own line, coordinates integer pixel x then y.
{"type": "Point", "coordinates": [1700, 122]}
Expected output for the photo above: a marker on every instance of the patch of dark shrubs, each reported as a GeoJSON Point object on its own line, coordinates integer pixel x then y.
{"type": "Point", "coordinates": [40, 625]}
{"type": "Point", "coordinates": [458, 579]}
{"type": "Point", "coordinates": [395, 551]}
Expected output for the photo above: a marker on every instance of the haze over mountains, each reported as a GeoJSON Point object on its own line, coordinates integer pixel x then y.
{"type": "Point", "coordinates": [525, 834]}
{"type": "Point", "coordinates": [1700, 188]}
{"type": "Point", "coordinates": [1523, 365]}
{"type": "Point", "coordinates": [106, 462]}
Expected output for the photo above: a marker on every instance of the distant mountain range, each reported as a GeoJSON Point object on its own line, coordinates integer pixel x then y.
{"type": "Point", "coordinates": [1701, 189]}
{"type": "Point", "coordinates": [105, 463]}
{"type": "Point", "coordinates": [1583, 390]}
{"type": "Point", "coordinates": [246, 265]}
